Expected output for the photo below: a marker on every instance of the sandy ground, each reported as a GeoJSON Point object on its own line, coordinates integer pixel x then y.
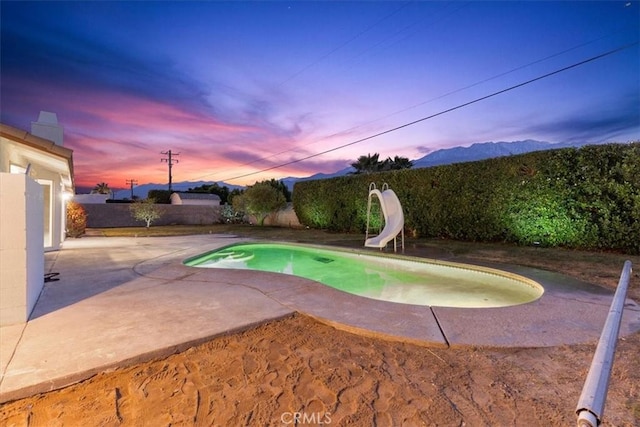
{"type": "Point", "coordinates": [300, 368]}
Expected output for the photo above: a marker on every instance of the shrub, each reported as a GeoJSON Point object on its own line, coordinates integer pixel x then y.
{"type": "Point", "coordinates": [230, 215]}
{"type": "Point", "coordinates": [76, 220]}
{"type": "Point", "coordinates": [581, 198]}
{"type": "Point", "coordinates": [145, 210]}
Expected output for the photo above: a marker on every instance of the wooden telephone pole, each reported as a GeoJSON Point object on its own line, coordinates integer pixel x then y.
{"type": "Point", "coordinates": [170, 161]}
{"type": "Point", "coordinates": [132, 182]}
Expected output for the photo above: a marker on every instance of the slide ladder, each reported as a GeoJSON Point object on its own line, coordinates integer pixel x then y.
{"type": "Point", "coordinates": [391, 212]}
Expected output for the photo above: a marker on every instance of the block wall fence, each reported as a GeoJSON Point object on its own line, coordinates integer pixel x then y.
{"type": "Point", "coordinates": [108, 215]}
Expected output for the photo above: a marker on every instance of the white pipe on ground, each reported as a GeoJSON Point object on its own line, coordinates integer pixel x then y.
{"type": "Point", "coordinates": [594, 393]}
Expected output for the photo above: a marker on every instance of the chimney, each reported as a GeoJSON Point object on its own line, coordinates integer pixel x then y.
{"type": "Point", "coordinates": [47, 127]}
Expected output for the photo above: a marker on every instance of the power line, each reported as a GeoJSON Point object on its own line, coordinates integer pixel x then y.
{"type": "Point", "coordinates": [444, 95]}
{"type": "Point", "coordinates": [482, 98]}
{"type": "Point", "coordinates": [488, 79]}
{"type": "Point", "coordinates": [320, 59]}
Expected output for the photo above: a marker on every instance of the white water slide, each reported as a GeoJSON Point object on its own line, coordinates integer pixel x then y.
{"type": "Point", "coordinates": [393, 218]}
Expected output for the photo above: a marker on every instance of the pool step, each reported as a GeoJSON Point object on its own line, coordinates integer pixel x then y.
{"type": "Point", "coordinates": [239, 256]}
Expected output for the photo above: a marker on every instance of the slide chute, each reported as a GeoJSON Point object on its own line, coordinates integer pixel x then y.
{"type": "Point", "coordinates": [392, 214]}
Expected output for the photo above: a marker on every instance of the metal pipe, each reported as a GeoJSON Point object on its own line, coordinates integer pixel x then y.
{"type": "Point", "coordinates": [594, 392]}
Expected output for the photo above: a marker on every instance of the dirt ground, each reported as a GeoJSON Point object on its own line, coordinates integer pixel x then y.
{"type": "Point", "coordinates": [298, 367]}
{"type": "Point", "coordinates": [297, 371]}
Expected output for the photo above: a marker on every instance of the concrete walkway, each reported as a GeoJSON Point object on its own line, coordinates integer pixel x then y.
{"type": "Point", "coordinates": [120, 301]}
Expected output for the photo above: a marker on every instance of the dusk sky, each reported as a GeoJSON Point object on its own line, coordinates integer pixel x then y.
{"type": "Point", "coordinates": [240, 87]}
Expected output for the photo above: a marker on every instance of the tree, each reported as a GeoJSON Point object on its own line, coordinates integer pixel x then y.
{"type": "Point", "coordinates": [162, 197]}
{"type": "Point", "coordinates": [222, 192]}
{"type": "Point", "coordinates": [235, 192]}
{"type": "Point", "coordinates": [145, 210]}
{"type": "Point", "coordinates": [280, 186]}
{"type": "Point", "coordinates": [371, 163]}
{"type": "Point", "coordinates": [367, 164]}
{"type": "Point", "coordinates": [260, 200]}
{"type": "Point", "coordinates": [397, 163]}
{"type": "Point", "coordinates": [102, 188]}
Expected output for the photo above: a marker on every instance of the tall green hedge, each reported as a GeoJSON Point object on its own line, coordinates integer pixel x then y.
{"type": "Point", "coordinates": [580, 198]}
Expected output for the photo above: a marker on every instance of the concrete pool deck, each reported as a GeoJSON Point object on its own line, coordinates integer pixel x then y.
{"type": "Point", "coordinates": [121, 301]}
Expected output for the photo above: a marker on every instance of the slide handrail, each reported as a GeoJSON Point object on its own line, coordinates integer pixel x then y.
{"type": "Point", "coordinates": [594, 393]}
{"type": "Point", "coordinates": [372, 187]}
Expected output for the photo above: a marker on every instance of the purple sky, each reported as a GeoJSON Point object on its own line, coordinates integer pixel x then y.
{"type": "Point", "coordinates": [239, 87]}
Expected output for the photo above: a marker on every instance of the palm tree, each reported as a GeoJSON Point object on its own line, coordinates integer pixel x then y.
{"type": "Point", "coordinates": [367, 164]}
{"type": "Point", "coordinates": [397, 163]}
{"type": "Point", "coordinates": [371, 163]}
{"type": "Point", "coordinates": [102, 188]}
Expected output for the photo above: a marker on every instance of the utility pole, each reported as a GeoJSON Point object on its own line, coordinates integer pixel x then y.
{"type": "Point", "coordinates": [170, 161]}
{"type": "Point", "coordinates": [132, 182]}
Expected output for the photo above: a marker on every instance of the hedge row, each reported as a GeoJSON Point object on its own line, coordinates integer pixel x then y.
{"type": "Point", "coordinates": [580, 198]}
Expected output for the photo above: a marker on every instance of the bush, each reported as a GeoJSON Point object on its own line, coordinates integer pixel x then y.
{"type": "Point", "coordinates": [76, 220]}
{"type": "Point", "coordinates": [230, 215]}
{"type": "Point", "coordinates": [581, 198]}
{"type": "Point", "coordinates": [145, 210]}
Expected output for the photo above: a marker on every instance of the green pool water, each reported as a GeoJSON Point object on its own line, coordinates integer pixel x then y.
{"type": "Point", "coordinates": [400, 280]}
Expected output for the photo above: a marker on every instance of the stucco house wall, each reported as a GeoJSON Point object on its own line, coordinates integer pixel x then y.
{"type": "Point", "coordinates": [48, 163]}
{"type": "Point", "coordinates": [36, 178]}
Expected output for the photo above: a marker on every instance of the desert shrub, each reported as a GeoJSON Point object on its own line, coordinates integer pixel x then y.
{"type": "Point", "coordinates": [76, 220]}
{"type": "Point", "coordinates": [230, 215]}
{"type": "Point", "coordinates": [145, 210]}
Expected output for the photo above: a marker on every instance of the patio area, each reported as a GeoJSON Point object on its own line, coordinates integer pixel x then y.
{"type": "Point", "coordinates": [120, 301]}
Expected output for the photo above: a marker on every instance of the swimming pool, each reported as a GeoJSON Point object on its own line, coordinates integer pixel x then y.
{"type": "Point", "coordinates": [406, 280]}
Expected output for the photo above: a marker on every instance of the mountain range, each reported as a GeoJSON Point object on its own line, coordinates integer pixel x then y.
{"type": "Point", "coordinates": [445, 156]}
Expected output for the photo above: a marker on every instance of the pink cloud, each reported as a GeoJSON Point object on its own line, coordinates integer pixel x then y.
{"type": "Point", "coordinates": [118, 136]}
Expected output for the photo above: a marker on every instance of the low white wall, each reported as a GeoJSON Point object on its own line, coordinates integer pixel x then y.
{"type": "Point", "coordinates": [21, 247]}
{"type": "Point", "coordinates": [90, 198]}
{"type": "Point", "coordinates": [196, 202]}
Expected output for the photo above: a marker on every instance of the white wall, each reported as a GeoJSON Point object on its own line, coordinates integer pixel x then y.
{"type": "Point", "coordinates": [17, 157]}
{"type": "Point", "coordinates": [90, 198]}
{"type": "Point", "coordinates": [200, 202]}
{"type": "Point", "coordinates": [176, 199]}
{"type": "Point", "coordinates": [21, 247]}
